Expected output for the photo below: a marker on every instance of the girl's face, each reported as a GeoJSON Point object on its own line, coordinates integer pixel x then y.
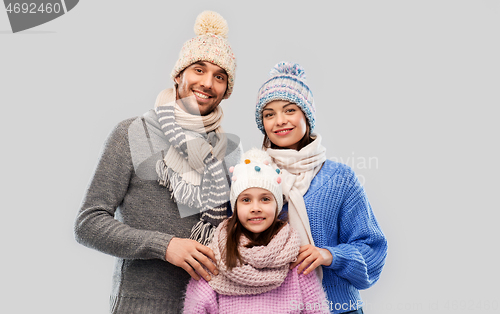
{"type": "Point", "coordinates": [284, 123]}
{"type": "Point", "coordinates": [256, 210]}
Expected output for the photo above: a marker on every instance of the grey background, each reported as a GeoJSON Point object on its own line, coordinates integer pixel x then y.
{"type": "Point", "coordinates": [405, 94]}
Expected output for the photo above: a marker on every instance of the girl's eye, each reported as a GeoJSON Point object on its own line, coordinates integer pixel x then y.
{"type": "Point", "coordinates": [268, 115]}
{"type": "Point", "coordinates": [246, 199]}
{"type": "Point", "coordinates": [290, 110]}
{"type": "Point", "coordinates": [266, 199]}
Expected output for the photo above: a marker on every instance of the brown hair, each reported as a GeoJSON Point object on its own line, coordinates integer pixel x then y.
{"type": "Point", "coordinates": [235, 230]}
{"type": "Point", "coordinates": [306, 140]}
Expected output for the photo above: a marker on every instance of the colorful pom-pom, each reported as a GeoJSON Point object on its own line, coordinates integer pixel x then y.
{"type": "Point", "coordinates": [247, 161]}
{"type": "Point", "coordinates": [233, 178]}
{"type": "Point", "coordinates": [278, 180]}
{"type": "Point", "coordinates": [231, 169]}
{"type": "Point", "coordinates": [278, 171]}
{"type": "Point", "coordinates": [266, 162]}
{"type": "Point", "coordinates": [257, 168]}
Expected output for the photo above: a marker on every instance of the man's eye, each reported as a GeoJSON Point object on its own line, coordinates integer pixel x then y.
{"type": "Point", "coordinates": [220, 77]}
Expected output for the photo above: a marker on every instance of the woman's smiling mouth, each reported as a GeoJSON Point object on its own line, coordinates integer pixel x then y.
{"type": "Point", "coordinates": [283, 131]}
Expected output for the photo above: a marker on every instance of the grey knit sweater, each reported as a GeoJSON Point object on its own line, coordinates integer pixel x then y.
{"type": "Point", "coordinates": [134, 219]}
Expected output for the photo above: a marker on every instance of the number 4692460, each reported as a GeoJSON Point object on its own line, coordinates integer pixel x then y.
{"type": "Point", "coordinates": [32, 8]}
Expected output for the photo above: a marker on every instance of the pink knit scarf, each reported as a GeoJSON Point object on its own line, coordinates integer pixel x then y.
{"type": "Point", "coordinates": [265, 268]}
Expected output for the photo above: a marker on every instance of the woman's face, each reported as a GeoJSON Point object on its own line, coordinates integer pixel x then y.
{"type": "Point", "coordinates": [285, 123]}
{"type": "Point", "coordinates": [256, 209]}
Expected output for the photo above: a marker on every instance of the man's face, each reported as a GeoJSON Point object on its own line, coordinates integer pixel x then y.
{"type": "Point", "coordinates": [201, 87]}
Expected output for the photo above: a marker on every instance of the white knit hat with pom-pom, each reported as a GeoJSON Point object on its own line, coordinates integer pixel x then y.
{"type": "Point", "coordinates": [287, 82]}
{"type": "Point", "coordinates": [256, 170]}
{"type": "Point", "coordinates": [210, 45]}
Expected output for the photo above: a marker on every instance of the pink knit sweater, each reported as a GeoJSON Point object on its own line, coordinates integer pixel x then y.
{"type": "Point", "coordinates": [264, 284]}
{"type": "Point", "coordinates": [297, 294]}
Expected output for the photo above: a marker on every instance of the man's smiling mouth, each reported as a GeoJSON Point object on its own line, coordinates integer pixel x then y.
{"type": "Point", "coordinates": [200, 95]}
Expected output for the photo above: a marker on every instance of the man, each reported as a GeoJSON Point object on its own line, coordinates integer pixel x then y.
{"type": "Point", "coordinates": [157, 173]}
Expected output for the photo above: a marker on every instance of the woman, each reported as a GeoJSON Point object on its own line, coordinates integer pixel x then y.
{"type": "Point", "coordinates": [326, 203]}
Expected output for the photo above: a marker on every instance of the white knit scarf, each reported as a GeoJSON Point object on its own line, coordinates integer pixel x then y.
{"type": "Point", "coordinates": [265, 268]}
{"type": "Point", "coordinates": [192, 168]}
{"type": "Point", "coordinates": [298, 169]}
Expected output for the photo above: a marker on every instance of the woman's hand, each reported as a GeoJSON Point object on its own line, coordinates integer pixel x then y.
{"type": "Point", "coordinates": [311, 257]}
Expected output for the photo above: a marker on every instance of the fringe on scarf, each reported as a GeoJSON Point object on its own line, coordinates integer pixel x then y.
{"type": "Point", "coordinates": [184, 192]}
{"type": "Point", "coordinates": [203, 232]}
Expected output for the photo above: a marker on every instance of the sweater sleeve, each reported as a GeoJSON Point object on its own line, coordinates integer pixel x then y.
{"type": "Point", "coordinates": [95, 225]}
{"type": "Point", "coordinates": [313, 295]}
{"type": "Point", "coordinates": [362, 247]}
{"type": "Point", "coordinates": [200, 298]}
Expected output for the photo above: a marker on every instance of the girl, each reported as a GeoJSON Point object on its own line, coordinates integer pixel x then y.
{"type": "Point", "coordinates": [253, 250]}
{"type": "Point", "coordinates": [325, 202]}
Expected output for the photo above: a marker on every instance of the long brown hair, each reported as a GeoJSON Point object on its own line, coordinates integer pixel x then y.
{"type": "Point", "coordinates": [235, 230]}
{"type": "Point", "coordinates": [304, 141]}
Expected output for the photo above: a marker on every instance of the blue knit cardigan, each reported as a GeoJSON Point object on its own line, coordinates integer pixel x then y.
{"type": "Point", "coordinates": [342, 221]}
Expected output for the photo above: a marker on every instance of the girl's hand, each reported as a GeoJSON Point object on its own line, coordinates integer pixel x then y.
{"type": "Point", "coordinates": [311, 256]}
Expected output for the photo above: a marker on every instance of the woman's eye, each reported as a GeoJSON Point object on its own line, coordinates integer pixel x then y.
{"type": "Point", "coordinates": [268, 115]}
{"type": "Point", "coordinates": [290, 110]}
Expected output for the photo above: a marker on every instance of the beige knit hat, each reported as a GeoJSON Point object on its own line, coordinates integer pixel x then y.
{"type": "Point", "coordinates": [210, 45]}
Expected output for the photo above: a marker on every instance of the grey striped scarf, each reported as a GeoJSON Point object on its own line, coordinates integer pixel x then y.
{"type": "Point", "coordinates": [212, 195]}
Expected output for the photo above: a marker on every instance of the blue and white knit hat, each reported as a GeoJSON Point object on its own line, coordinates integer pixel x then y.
{"type": "Point", "coordinates": [287, 82]}
{"type": "Point", "coordinates": [256, 170]}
